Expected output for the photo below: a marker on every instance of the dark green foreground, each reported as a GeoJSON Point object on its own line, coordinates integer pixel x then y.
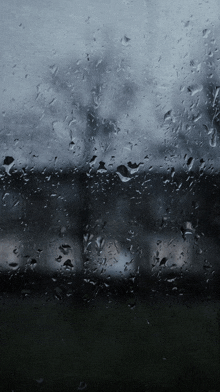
{"type": "Point", "coordinates": [157, 345]}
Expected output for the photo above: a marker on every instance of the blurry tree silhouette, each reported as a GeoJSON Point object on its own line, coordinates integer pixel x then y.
{"type": "Point", "coordinates": [95, 92]}
{"type": "Point", "coordinates": [91, 96]}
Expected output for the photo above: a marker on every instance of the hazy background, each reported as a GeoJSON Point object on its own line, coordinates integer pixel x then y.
{"type": "Point", "coordinates": [153, 41]}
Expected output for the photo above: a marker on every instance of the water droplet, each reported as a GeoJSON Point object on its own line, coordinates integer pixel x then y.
{"type": "Point", "coordinates": [216, 94]}
{"type": "Point", "coordinates": [189, 162]}
{"type": "Point", "coordinates": [202, 164]}
{"type": "Point", "coordinates": [167, 115]}
{"type": "Point", "coordinates": [125, 40]}
{"type": "Point", "coordinates": [5, 195]}
{"type": "Point", "coordinates": [134, 167]}
{"type": "Point", "coordinates": [186, 229]}
{"type": "Point", "coordinates": [71, 145]}
{"type": "Point", "coordinates": [100, 241]}
{"type": "Point", "coordinates": [68, 263]}
{"type": "Point", "coordinates": [13, 265]}
{"type": "Point", "coordinates": [172, 172]}
{"type": "Point", "coordinates": [8, 160]}
{"type": "Point", "coordinates": [212, 141]}
{"type": "Point", "coordinates": [123, 178]}
{"type": "Point", "coordinates": [65, 249]}
{"type": "Point", "coordinates": [25, 292]}
{"type": "Point", "coordinates": [93, 161]}
{"type": "Point", "coordinates": [97, 102]}
{"type": "Point", "coordinates": [163, 261]}
{"type": "Point", "coordinates": [123, 173]}
{"type": "Point", "coordinates": [205, 33]}
{"type": "Point", "coordinates": [207, 129]}
{"type": "Point", "coordinates": [8, 163]}
{"type": "Point", "coordinates": [196, 118]}
{"type": "Point", "coordinates": [194, 89]}
{"type": "Point", "coordinates": [171, 280]}
{"type": "Point", "coordinates": [132, 305]}
{"type": "Point", "coordinates": [53, 69]}
{"type": "Point", "coordinates": [101, 168]}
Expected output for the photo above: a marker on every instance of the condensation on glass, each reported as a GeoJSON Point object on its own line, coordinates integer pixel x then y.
{"type": "Point", "coordinates": [109, 195]}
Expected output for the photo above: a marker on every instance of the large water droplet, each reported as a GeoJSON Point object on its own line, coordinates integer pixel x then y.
{"type": "Point", "coordinates": [187, 229]}
{"type": "Point", "coordinates": [13, 265]}
{"type": "Point", "coordinates": [8, 163]}
{"type": "Point", "coordinates": [163, 261]}
{"type": "Point", "coordinates": [101, 168]}
{"type": "Point", "coordinates": [33, 262]}
{"type": "Point", "coordinates": [68, 264]}
{"type": "Point", "coordinates": [134, 167]}
{"type": "Point", "coordinates": [123, 173]}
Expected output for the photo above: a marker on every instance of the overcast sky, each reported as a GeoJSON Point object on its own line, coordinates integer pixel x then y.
{"type": "Point", "coordinates": [156, 37]}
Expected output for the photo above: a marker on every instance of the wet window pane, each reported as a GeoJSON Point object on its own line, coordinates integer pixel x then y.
{"type": "Point", "coordinates": [109, 195]}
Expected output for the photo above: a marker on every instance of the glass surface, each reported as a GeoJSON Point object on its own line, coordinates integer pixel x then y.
{"type": "Point", "coordinates": [109, 195]}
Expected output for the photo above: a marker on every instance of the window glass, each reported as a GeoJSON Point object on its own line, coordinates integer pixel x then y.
{"type": "Point", "coordinates": [109, 195]}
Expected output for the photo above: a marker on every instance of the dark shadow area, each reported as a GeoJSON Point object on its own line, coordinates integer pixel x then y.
{"type": "Point", "coordinates": [156, 344]}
